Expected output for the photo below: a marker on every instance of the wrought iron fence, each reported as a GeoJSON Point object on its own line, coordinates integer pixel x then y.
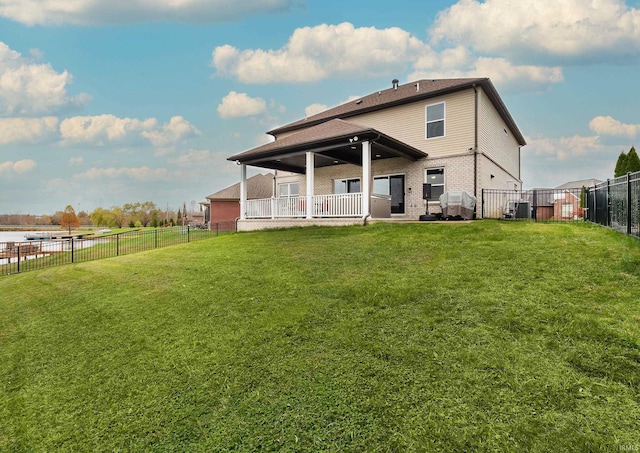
{"type": "Point", "coordinates": [542, 205]}
{"type": "Point", "coordinates": [615, 203]}
{"type": "Point", "coordinates": [16, 257]}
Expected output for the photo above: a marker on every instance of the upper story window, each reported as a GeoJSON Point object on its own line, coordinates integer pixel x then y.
{"type": "Point", "coordinates": [435, 120]}
{"type": "Point", "coordinates": [289, 189]}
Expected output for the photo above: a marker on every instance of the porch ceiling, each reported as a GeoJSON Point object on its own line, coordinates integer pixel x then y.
{"type": "Point", "coordinates": [333, 143]}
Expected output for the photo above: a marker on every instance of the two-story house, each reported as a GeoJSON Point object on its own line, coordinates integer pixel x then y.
{"type": "Point", "coordinates": [370, 157]}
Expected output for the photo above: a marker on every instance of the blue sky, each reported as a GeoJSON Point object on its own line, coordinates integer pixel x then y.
{"type": "Point", "coordinates": [104, 102]}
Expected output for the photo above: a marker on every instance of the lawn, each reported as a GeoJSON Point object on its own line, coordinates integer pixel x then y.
{"type": "Point", "coordinates": [488, 336]}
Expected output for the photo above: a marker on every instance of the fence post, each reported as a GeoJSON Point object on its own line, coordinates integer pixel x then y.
{"type": "Point", "coordinates": [629, 203]}
{"type": "Point", "coordinates": [608, 202]}
{"type": "Point", "coordinates": [188, 234]}
{"type": "Point", "coordinates": [72, 257]}
{"type": "Point", "coordinates": [117, 244]}
{"type": "Point", "coordinates": [217, 229]}
{"type": "Point", "coordinates": [482, 209]}
{"type": "Point", "coordinates": [18, 259]}
{"type": "Point", "coordinates": [595, 204]}
{"type": "Point", "coordinates": [156, 237]}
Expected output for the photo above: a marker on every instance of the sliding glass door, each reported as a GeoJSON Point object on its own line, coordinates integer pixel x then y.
{"type": "Point", "coordinates": [391, 185]}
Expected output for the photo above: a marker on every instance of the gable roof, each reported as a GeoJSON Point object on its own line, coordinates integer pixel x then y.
{"type": "Point", "coordinates": [404, 94]}
{"type": "Point", "coordinates": [258, 186]}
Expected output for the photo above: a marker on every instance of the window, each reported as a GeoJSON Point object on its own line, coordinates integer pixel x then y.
{"type": "Point", "coordinates": [435, 177]}
{"type": "Point", "coordinates": [346, 185]}
{"type": "Point", "coordinates": [289, 189]}
{"type": "Point", "coordinates": [435, 120]}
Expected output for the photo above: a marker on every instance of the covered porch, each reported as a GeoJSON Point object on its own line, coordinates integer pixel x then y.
{"type": "Point", "coordinates": [336, 142]}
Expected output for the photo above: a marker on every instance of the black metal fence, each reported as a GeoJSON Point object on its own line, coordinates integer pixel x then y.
{"type": "Point", "coordinates": [615, 203]}
{"type": "Point", "coordinates": [58, 249]}
{"type": "Point", "coordinates": [542, 205]}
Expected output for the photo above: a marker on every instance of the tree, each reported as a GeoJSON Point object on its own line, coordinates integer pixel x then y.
{"type": "Point", "coordinates": [69, 219]}
{"type": "Point", "coordinates": [148, 210]}
{"type": "Point", "coordinates": [117, 216]}
{"type": "Point", "coordinates": [620, 165]}
{"type": "Point", "coordinates": [100, 217]}
{"type": "Point", "coordinates": [632, 162]}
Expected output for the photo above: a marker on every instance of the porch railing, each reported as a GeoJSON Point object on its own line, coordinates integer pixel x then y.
{"type": "Point", "coordinates": [336, 205]}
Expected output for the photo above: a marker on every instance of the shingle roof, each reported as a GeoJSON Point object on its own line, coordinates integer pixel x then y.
{"type": "Point", "coordinates": [258, 186]}
{"type": "Point", "coordinates": [335, 133]}
{"type": "Point", "coordinates": [579, 184]}
{"type": "Point", "coordinates": [322, 132]}
{"type": "Point", "coordinates": [403, 94]}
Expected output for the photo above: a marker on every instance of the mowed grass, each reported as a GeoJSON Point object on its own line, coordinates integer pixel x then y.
{"type": "Point", "coordinates": [488, 336]}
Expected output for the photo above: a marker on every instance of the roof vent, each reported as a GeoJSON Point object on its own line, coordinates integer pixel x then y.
{"type": "Point", "coordinates": [395, 83]}
{"type": "Point", "coordinates": [359, 101]}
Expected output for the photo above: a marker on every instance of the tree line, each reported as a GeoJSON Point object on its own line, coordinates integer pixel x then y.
{"type": "Point", "coordinates": [129, 214]}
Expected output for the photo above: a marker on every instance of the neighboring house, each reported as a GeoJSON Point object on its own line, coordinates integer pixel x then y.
{"type": "Point", "coordinates": [224, 206]}
{"type": "Point", "coordinates": [567, 206]}
{"type": "Point", "coordinates": [372, 155]}
{"type": "Point", "coordinates": [579, 184]}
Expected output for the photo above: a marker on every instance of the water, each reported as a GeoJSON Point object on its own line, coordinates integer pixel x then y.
{"type": "Point", "coordinates": [50, 245]}
{"type": "Point", "coordinates": [13, 236]}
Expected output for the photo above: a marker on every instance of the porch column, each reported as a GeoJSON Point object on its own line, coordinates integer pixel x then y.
{"type": "Point", "coordinates": [310, 183]}
{"type": "Point", "coordinates": [243, 191]}
{"type": "Point", "coordinates": [366, 178]}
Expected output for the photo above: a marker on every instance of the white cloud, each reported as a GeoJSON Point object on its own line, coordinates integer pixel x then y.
{"type": "Point", "coordinates": [30, 89]}
{"type": "Point", "coordinates": [19, 167]}
{"type": "Point", "coordinates": [574, 29]}
{"type": "Point", "coordinates": [193, 159]}
{"type": "Point", "coordinates": [607, 125]}
{"type": "Point", "coordinates": [27, 130]}
{"type": "Point", "coordinates": [315, 53]}
{"type": "Point", "coordinates": [136, 173]}
{"type": "Point", "coordinates": [236, 105]}
{"type": "Point", "coordinates": [76, 161]}
{"type": "Point", "coordinates": [96, 12]}
{"type": "Point", "coordinates": [507, 76]}
{"type": "Point", "coordinates": [103, 128]}
{"type": "Point", "coordinates": [565, 148]}
{"type": "Point", "coordinates": [175, 131]}
{"type": "Point", "coordinates": [314, 109]}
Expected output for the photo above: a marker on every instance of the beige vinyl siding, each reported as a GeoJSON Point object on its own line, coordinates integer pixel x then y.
{"type": "Point", "coordinates": [493, 141]}
{"type": "Point", "coordinates": [407, 123]}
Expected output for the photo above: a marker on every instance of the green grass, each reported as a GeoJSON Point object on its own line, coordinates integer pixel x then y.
{"type": "Point", "coordinates": [489, 336]}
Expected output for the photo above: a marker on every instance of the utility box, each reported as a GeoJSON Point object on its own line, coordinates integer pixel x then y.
{"type": "Point", "coordinates": [380, 206]}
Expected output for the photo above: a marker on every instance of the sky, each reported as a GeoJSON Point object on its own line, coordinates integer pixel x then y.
{"type": "Point", "coordinates": [106, 102]}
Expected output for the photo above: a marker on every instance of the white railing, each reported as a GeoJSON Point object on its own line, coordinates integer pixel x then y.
{"type": "Point", "coordinates": [289, 207]}
{"type": "Point", "coordinates": [339, 205]}
{"type": "Point", "coordinates": [258, 209]}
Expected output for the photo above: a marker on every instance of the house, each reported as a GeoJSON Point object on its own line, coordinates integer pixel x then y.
{"type": "Point", "coordinates": [579, 184]}
{"type": "Point", "coordinates": [224, 205]}
{"type": "Point", "coordinates": [371, 157]}
{"type": "Point", "coordinates": [567, 206]}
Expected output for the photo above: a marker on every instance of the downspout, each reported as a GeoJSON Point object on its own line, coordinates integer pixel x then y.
{"type": "Point", "coordinates": [475, 143]}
